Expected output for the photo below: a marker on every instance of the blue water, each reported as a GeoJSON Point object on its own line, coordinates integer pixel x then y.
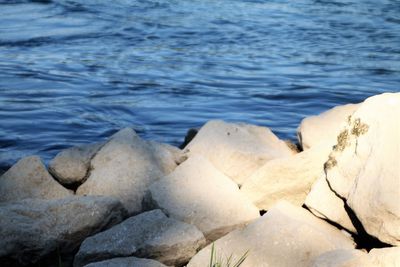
{"type": "Point", "coordinates": [74, 72]}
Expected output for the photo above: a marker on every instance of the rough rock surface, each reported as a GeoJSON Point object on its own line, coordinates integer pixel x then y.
{"type": "Point", "coordinates": [323, 203]}
{"type": "Point", "coordinates": [364, 168]}
{"type": "Point", "coordinates": [197, 193]}
{"type": "Point", "coordinates": [28, 178]}
{"type": "Point", "coordinates": [127, 262]}
{"type": "Point", "coordinates": [325, 126]}
{"type": "Point", "coordinates": [33, 228]}
{"type": "Point", "coordinates": [288, 178]}
{"type": "Point", "coordinates": [237, 150]}
{"type": "Point", "coordinates": [336, 258]}
{"type": "Point", "coordinates": [149, 235]}
{"type": "Point", "coordinates": [285, 236]}
{"type": "Point", "coordinates": [167, 156]}
{"type": "Point", "coordinates": [72, 165]}
{"type": "Point", "coordinates": [124, 168]}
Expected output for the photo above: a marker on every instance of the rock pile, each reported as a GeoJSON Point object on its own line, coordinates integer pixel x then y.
{"type": "Point", "coordinates": [132, 202]}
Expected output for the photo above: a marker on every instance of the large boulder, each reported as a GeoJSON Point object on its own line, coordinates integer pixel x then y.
{"type": "Point", "coordinates": [285, 236]}
{"type": "Point", "coordinates": [288, 178]}
{"type": "Point", "coordinates": [197, 193]}
{"type": "Point", "coordinates": [237, 149]}
{"type": "Point", "coordinates": [336, 258]}
{"type": "Point", "coordinates": [325, 126]}
{"type": "Point", "coordinates": [33, 228]}
{"type": "Point", "coordinates": [127, 262]}
{"type": "Point", "coordinates": [363, 167]}
{"type": "Point", "coordinates": [125, 167]}
{"type": "Point", "coordinates": [148, 235]}
{"type": "Point", "coordinates": [28, 178]}
{"type": "Point", "coordinates": [71, 165]}
{"type": "Point", "coordinates": [323, 203]}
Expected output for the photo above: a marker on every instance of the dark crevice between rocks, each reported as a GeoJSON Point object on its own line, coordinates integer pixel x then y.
{"type": "Point", "coordinates": [191, 133]}
{"type": "Point", "coordinates": [262, 212]}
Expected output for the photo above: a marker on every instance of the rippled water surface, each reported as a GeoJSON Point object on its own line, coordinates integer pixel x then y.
{"type": "Point", "coordinates": [74, 72]}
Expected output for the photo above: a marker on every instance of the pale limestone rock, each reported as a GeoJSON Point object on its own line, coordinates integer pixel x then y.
{"type": "Point", "coordinates": [364, 168]}
{"type": "Point", "coordinates": [125, 167]}
{"type": "Point", "coordinates": [72, 165]}
{"type": "Point", "coordinates": [127, 262]}
{"type": "Point", "coordinates": [197, 193]}
{"type": "Point", "coordinates": [237, 149]}
{"type": "Point", "coordinates": [148, 235]}
{"type": "Point", "coordinates": [336, 258]}
{"type": "Point", "coordinates": [288, 178]}
{"type": "Point", "coordinates": [285, 236]}
{"type": "Point", "coordinates": [31, 229]}
{"type": "Point", "coordinates": [28, 178]}
{"type": "Point", "coordinates": [323, 203]}
{"type": "Point", "coordinates": [167, 156]}
{"type": "Point", "coordinates": [325, 126]}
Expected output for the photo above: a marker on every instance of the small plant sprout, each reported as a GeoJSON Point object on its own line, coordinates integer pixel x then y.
{"type": "Point", "coordinates": [216, 261]}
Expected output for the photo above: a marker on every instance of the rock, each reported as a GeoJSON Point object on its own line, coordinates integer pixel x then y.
{"type": "Point", "coordinates": [364, 170]}
{"type": "Point", "coordinates": [384, 257]}
{"type": "Point", "coordinates": [191, 133]}
{"type": "Point", "coordinates": [71, 165]}
{"type": "Point", "coordinates": [325, 126]}
{"type": "Point", "coordinates": [127, 262]}
{"type": "Point", "coordinates": [167, 156]}
{"type": "Point", "coordinates": [285, 236]}
{"type": "Point", "coordinates": [148, 235]}
{"type": "Point", "coordinates": [288, 178]}
{"type": "Point", "coordinates": [238, 149]}
{"type": "Point", "coordinates": [125, 167]}
{"type": "Point", "coordinates": [30, 229]}
{"type": "Point", "coordinates": [323, 203]}
{"type": "Point", "coordinates": [336, 258]}
{"type": "Point", "coordinates": [197, 193]}
{"type": "Point", "coordinates": [28, 178]}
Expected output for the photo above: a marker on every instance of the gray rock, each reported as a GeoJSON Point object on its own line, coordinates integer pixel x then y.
{"type": "Point", "coordinates": [125, 167]}
{"type": "Point", "coordinates": [28, 178]}
{"type": "Point", "coordinates": [148, 235]}
{"type": "Point", "coordinates": [72, 165]}
{"type": "Point", "coordinates": [127, 262]}
{"type": "Point", "coordinates": [33, 228]}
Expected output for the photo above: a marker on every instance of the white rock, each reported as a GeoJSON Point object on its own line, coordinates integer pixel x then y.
{"type": "Point", "coordinates": [148, 235]}
{"type": "Point", "coordinates": [323, 203]}
{"type": "Point", "coordinates": [31, 229]}
{"type": "Point", "coordinates": [124, 168]}
{"type": "Point", "coordinates": [237, 150]}
{"type": "Point", "coordinates": [364, 166]}
{"type": "Point", "coordinates": [288, 178]}
{"type": "Point", "coordinates": [28, 178]}
{"type": "Point", "coordinates": [197, 193]}
{"type": "Point", "coordinates": [285, 236]}
{"type": "Point", "coordinates": [127, 262]}
{"type": "Point", "coordinates": [336, 258]}
{"type": "Point", "coordinates": [168, 157]}
{"type": "Point", "coordinates": [325, 126]}
{"type": "Point", "coordinates": [72, 165]}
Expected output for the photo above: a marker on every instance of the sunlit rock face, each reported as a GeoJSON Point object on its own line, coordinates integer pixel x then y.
{"type": "Point", "coordinates": [289, 178]}
{"type": "Point", "coordinates": [286, 236]}
{"type": "Point", "coordinates": [31, 229]}
{"type": "Point", "coordinates": [237, 149]}
{"type": "Point", "coordinates": [148, 235]}
{"type": "Point", "coordinates": [125, 167]}
{"type": "Point", "coordinates": [199, 194]}
{"type": "Point", "coordinates": [127, 262]}
{"type": "Point", "coordinates": [325, 126]}
{"type": "Point", "coordinates": [72, 165]}
{"type": "Point", "coordinates": [364, 168]}
{"type": "Point", "coordinates": [28, 178]}
{"type": "Point", "coordinates": [336, 258]}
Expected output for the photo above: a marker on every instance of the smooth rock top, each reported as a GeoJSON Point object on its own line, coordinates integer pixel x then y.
{"type": "Point", "coordinates": [125, 167]}
{"type": "Point", "coordinates": [336, 258]}
{"type": "Point", "coordinates": [127, 262]}
{"type": "Point", "coordinates": [237, 149]}
{"type": "Point", "coordinates": [285, 236]}
{"type": "Point", "coordinates": [72, 165]}
{"type": "Point", "coordinates": [197, 193]}
{"type": "Point", "coordinates": [28, 178]}
{"type": "Point", "coordinates": [31, 229]}
{"type": "Point", "coordinates": [364, 168]}
{"type": "Point", "coordinates": [148, 235]}
{"type": "Point", "coordinates": [325, 126]}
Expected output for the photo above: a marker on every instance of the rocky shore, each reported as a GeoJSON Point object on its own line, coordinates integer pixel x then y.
{"type": "Point", "coordinates": [233, 186]}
